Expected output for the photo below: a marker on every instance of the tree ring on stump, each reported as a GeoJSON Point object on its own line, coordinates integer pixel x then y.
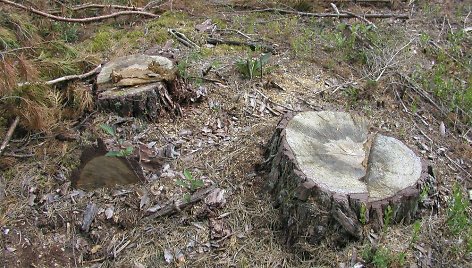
{"type": "Point", "coordinates": [330, 176]}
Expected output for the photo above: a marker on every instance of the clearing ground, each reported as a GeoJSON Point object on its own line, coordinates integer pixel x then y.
{"type": "Point", "coordinates": [249, 62]}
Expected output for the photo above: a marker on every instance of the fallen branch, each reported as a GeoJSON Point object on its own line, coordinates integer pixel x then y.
{"type": "Point", "coordinates": [350, 13]}
{"type": "Point", "coordinates": [10, 131]}
{"type": "Point", "coordinates": [387, 65]}
{"type": "Point", "coordinates": [94, 6]}
{"type": "Point", "coordinates": [67, 77]}
{"type": "Point", "coordinates": [332, 15]}
{"type": "Point", "coordinates": [178, 205]}
{"type": "Point", "coordinates": [77, 20]}
{"type": "Point", "coordinates": [360, 17]}
{"type": "Point", "coordinates": [236, 31]}
{"type": "Point", "coordinates": [252, 45]}
{"type": "Point", "coordinates": [182, 38]}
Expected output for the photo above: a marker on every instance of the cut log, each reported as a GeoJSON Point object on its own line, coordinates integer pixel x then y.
{"type": "Point", "coordinates": [330, 177]}
{"type": "Point", "coordinates": [136, 86]}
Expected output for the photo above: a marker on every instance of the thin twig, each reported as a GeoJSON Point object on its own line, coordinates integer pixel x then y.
{"type": "Point", "coordinates": [182, 38]}
{"type": "Point", "coordinates": [68, 77]}
{"type": "Point", "coordinates": [9, 134]}
{"type": "Point", "coordinates": [78, 20]}
{"type": "Point", "coordinates": [330, 15]}
{"type": "Point", "coordinates": [177, 205]}
{"type": "Point", "coordinates": [236, 31]}
{"type": "Point", "coordinates": [252, 45]}
{"type": "Point", "coordinates": [363, 18]}
{"type": "Point", "coordinates": [387, 65]}
{"type": "Point", "coordinates": [457, 165]}
{"type": "Point", "coordinates": [421, 92]}
{"type": "Point", "coordinates": [335, 8]}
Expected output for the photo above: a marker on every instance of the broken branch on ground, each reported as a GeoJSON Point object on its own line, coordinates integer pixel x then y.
{"type": "Point", "coordinates": [68, 77]}
{"type": "Point", "coordinates": [178, 205]}
{"type": "Point", "coordinates": [96, 6]}
{"type": "Point", "coordinates": [252, 45]}
{"type": "Point", "coordinates": [332, 15]}
{"type": "Point", "coordinates": [78, 20]}
{"type": "Point", "coordinates": [9, 134]}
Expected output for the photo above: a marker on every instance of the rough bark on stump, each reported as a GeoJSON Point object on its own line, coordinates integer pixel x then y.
{"type": "Point", "coordinates": [136, 86]}
{"type": "Point", "coordinates": [330, 177]}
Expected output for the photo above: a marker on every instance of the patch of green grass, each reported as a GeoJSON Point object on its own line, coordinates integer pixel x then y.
{"type": "Point", "coordinates": [50, 68]}
{"type": "Point", "coordinates": [101, 41]}
{"type": "Point", "coordinates": [352, 94]}
{"type": "Point", "coordinates": [458, 218]}
{"type": "Point", "coordinates": [134, 35]}
{"type": "Point", "coordinates": [7, 39]}
{"type": "Point", "coordinates": [416, 231]}
{"type": "Point", "coordinates": [303, 44]}
{"type": "Point", "coordinates": [20, 25]}
{"type": "Point", "coordinates": [169, 19]}
{"type": "Point", "coordinates": [157, 29]}
{"type": "Point", "coordinates": [449, 80]}
{"type": "Point", "coordinates": [69, 32]}
{"type": "Point", "coordinates": [383, 257]}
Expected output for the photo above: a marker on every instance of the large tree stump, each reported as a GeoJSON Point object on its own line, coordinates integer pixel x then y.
{"type": "Point", "coordinates": [330, 177]}
{"type": "Point", "coordinates": [136, 86]}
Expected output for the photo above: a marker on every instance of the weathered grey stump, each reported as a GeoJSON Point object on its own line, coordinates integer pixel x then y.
{"type": "Point", "coordinates": [135, 85]}
{"type": "Point", "coordinates": [330, 177]}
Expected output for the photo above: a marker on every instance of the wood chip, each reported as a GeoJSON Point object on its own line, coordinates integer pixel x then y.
{"type": "Point", "coordinates": [89, 215]}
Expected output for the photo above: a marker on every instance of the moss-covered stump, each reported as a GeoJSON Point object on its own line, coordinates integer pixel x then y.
{"type": "Point", "coordinates": [136, 86]}
{"type": "Point", "coordinates": [330, 177]}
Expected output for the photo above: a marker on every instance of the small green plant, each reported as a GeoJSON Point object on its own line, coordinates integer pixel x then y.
{"type": "Point", "coordinates": [121, 153]}
{"type": "Point", "coordinates": [182, 67]}
{"type": "Point", "coordinates": [108, 129]}
{"type": "Point", "coordinates": [363, 214]}
{"type": "Point", "coordinates": [416, 231]}
{"type": "Point", "coordinates": [388, 216]}
{"type": "Point", "coordinates": [353, 94]}
{"type": "Point", "coordinates": [424, 192]}
{"type": "Point", "coordinates": [189, 182]}
{"type": "Point", "coordinates": [187, 197]}
{"type": "Point", "coordinates": [458, 218]}
{"type": "Point", "coordinates": [382, 257]}
{"type": "Point", "coordinates": [251, 67]}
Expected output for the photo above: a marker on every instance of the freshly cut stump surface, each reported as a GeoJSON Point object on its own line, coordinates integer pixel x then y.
{"type": "Point", "coordinates": [330, 176]}
{"type": "Point", "coordinates": [135, 85]}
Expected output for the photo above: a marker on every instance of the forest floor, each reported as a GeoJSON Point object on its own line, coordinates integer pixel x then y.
{"type": "Point", "coordinates": [410, 76]}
